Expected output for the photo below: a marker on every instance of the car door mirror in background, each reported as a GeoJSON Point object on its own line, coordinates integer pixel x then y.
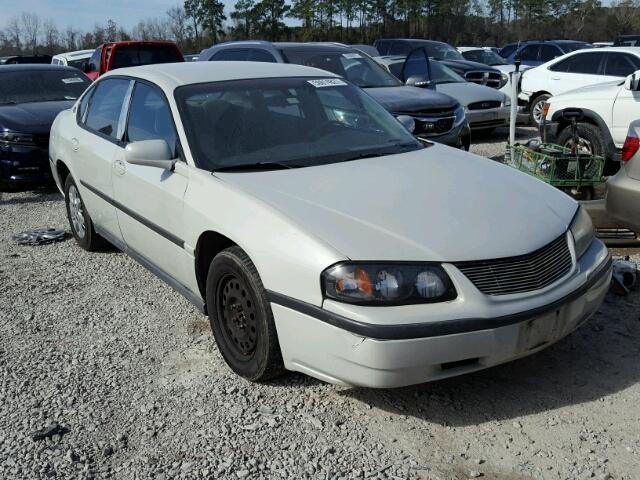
{"type": "Point", "coordinates": [150, 153]}
{"type": "Point", "coordinates": [407, 122]}
{"type": "Point", "coordinates": [419, 81]}
{"type": "Point", "coordinates": [632, 82]}
{"type": "Point", "coordinates": [416, 70]}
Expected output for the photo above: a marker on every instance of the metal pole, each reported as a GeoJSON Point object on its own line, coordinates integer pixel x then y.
{"type": "Point", "coordinates": [515, 78]}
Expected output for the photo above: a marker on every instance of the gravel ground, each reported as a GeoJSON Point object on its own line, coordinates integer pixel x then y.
{"type": "Point", "coordinates": [123, 376]}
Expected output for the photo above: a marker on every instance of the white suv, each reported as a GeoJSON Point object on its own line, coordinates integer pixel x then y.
{"type": "Point", "coordinates": [608, 110]}
{"type": "Point", "coordinates": [574, 70]}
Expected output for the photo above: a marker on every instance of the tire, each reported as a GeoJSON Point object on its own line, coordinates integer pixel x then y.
{"type": "Point", "coordinates": [241, 317]}
{"type": "Point", "coordinates": [79, 219]}
{"type": "Point", "coordinates": [591, 140]}
{"type": "Point", "coordinates": [535, 109]}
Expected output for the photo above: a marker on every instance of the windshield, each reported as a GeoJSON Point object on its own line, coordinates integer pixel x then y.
{"type": "Point", "coordinates": [487, 57]}
{"type": "Point", "coordinates": [132, 55]}
{"type": "Point", "coordinates": [291, 122]}
{"type": "Point", "coordinates": [41, 86]}
{"type": "Point", "coordinates": [354, 66]}
{"type": "Point", "coordinates": [443, 74]}
{"type": "Point", "coordinates": [441, 51]}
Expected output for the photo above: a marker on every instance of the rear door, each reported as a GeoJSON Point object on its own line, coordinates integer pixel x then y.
{"type": "Point", "coordinates": [96, 144]}
{"type": "Point", "coordinates": [150, 200]}
{"type": "Point", "coordinates": [575, 71]}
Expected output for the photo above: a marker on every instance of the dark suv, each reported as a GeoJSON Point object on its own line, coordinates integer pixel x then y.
{"type": "Point", "coordinates": [437, 117]}
{"type": "Point", "coordinates": [447, 55]}
{"type": "Point", "coordinates": [534, 53]}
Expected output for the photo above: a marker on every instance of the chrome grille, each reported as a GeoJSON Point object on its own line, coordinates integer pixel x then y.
{"type": "Point", "coordinates": [520, 274]}
{"type": "Point", "coordinates": [490, 79]}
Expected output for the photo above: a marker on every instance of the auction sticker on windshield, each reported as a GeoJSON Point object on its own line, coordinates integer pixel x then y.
{"type": "Point", "coordinates": [72, 80]}
{"type": "Point", "coordinates": [327, 82]}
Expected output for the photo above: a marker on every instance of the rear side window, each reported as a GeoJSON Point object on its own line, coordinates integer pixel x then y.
{"type": "Point", "coordinates": [150, 117]}
{"type": "Point", "coordinates": [549, 52]}
{"type": "Point", "coordinates": [133, 55]}
{"type": "Point", "coordinates": [231, 55]}
{"type": "Point", "coordinates": [105, 106]}
{"type": "Point", "coordinates": [620, 64]}
{"type": "Point", "coordinates": [585, 63]}
{"type": "Point", "coordinates": [261, 56]}
{"type": "Point", "coordinates": [530, 53]}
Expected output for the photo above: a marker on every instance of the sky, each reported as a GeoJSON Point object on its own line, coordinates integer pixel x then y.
{"type": "Point", "coordinates": [84, 14]}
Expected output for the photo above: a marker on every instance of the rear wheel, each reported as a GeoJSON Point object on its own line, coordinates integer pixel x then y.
{"type": "Point", "coordinates": [241, 317]}
{"type": "Point", "coordinates": [79, 219]}
{"type": "Point", "coordinates": [536, 110]}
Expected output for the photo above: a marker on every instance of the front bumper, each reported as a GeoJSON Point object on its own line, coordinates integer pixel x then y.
{"type": "Point", "coordinates": [24, 165]}
{"type": "Point", "coordinates": [623, 200]}
{"type": "Point", "coordinates": [359, 351]}
{"type": "Point", "coordinates": [459, 136]}
{"type": "Point", "coordinates": [489, 118]}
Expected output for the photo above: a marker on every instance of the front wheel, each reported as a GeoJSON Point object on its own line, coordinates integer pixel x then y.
{"type": "Point", "coordinates": [241, 317]}
{"type": "Point", "coordinates": [536, 111]}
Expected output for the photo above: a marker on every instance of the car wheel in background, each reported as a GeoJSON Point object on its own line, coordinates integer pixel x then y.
{"type": "Point", "coordinates": [79, 219]}
{"type": "Point", "coordinates": [590, 141]}
{"type": "Point", "coordinates": [536, 109]}
{"type": "Point", "coordinates": [241, 317]}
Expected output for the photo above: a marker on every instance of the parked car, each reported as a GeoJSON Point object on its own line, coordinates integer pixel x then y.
{"type": "Point", "coordinates": [30, 98]}
{"type": "Point", "coordinates": [488, 56]}
{"type": "Point", "coordinates": [574, 70]}
{"type": "Point", "coordinates": [447, 55]}
{"type": "Point", "coordinates": [609, 108]}
{"type": "Point", "coordinates": [534, 53]}
{"type": "Point", "coordinates": [437, 117]}
{"type": "Point", "coordinates": [623, 189]}
{"type": "Point", "coordinates": [110, 56]}
{"type": "Point", "coordinates": [73, 59]}
{"type": "Point", "coordinates": [21, 59]}
{"type": "Point", "coordinates": [484, 107]}
{"type": "Point", "coordinates": [627, 41]}
{"type": "Point", "coordinates": [318, 234]}
{"type": "Point", "coordinates": [368, 49]}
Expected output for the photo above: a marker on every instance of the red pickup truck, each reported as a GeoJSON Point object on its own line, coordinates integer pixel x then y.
{"type": "Point", "coordinates": [110, 56]}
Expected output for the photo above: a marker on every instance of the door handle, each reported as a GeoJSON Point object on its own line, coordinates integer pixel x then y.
{"type": "Point", "coordinates": [119, 167]}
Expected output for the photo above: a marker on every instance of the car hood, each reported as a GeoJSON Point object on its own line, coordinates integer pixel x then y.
{"type": "Point", "coordinates": [467, 92]}
{"type": "Point", "coordinates": [407, 99]}
{"type": "Point", "coordinates": [466, 65]}
{"type": "Point", "coordinates": [434, 204]}
{"type": "Point", "coordinates": [33, 117]}
{"type": "Point", "coordinates": [606, 90]}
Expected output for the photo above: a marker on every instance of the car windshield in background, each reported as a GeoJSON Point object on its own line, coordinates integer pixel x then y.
{"type": "Point", "coordinates": [442, 74]}
{"type": "Point", "coordinates": [286, 123]}
{"type": "Point", "coordinates": [354, 66]}
{"type": "Point", "coordinates": [484, 56]}
{"type": "Point", "coordinates": [41, 86]}
{"type": "Point", "coordinates": [442, 51]}
{"type": "Point", "coordinates": [133, 55]}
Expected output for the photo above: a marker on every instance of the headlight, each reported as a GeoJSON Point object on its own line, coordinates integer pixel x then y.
{"type": "Point", "coordinates": [459, 113]}
{"type": "Point", "coordinates": [15, 138]}
{"type": "Point", "coordinates": [387, 283]}
{"type": "Point", "coordinates": [504, 79]}
{"type": "Point", "coordinates": [582, 231]}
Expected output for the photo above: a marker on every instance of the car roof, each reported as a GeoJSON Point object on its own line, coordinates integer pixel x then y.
{"type": "Point", "coordinates": [634, 50]}
{"type": "Point", "coordinates": [23, 67]}
{"type": "Point", "coordinates": [172, 75]}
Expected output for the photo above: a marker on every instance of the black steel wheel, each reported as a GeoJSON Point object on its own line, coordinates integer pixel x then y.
{"type": "Point", "coordinates": [241, 317]}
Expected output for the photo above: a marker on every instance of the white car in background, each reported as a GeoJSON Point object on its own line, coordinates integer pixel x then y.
{"type": "Point", "coordinates": [75, 59]}
{"type": "Point", "coordinates": [577, 69]}
{"type": "Point", "coordinates": [608, 108]}
{"type": "Point", "coordinates": [319, 234]}
{"type": "Point", "coordinates": [488, 56]}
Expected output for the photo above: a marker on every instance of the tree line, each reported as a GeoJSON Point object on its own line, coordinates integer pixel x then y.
{"type": "Point", "coordinates": [199, 23]}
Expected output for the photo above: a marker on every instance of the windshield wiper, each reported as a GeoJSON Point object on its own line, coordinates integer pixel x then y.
{"type": "Point", "coordinates": [256, 166]}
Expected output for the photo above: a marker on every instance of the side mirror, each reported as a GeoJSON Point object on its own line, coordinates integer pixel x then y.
{"type": "Point", "coordinates": [407, 122]}
{"type": "Point", "coordinates": [632, 82]}
{"type": "Point", "coordinates": [150, 153]}
{"type": "Point", "coordinates": [419, 81]}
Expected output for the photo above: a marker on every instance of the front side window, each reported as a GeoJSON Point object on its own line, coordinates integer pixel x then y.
{"type": "Point", "coordinates": [586, 63]}
{"type": "Point", "coordinates": [106, 105]}
{"type": "Point", "coordinates": [529, 53]}
{"type": "Point", "coordinates": [296, 122]}
{"type": "Point", "coordinates": [41, 86]}
{"type": "Point", "coordinates": [549, 52]}
{"type": "Point", "coordinates": [352, 65]}
{"type": "Point", "coordinates": [150, 117]}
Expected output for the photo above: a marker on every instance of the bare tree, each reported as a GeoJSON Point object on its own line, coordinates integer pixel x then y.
{"type": "Point", "coordinates": [51, 36]}
{"type": "Point", "coordinates": [14, 33]}
{"type": "Point", "coordinates": [178, 25]}
{"type": "Point", "coordinates": [31, 28]}
{"type": "Point", "coordinates": [71, 38]}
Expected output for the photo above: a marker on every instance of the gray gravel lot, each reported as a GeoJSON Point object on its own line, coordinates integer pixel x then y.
{"type": "Point", "coordinates": [125, 374]}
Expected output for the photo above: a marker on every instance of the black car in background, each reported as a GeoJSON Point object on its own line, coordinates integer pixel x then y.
{"type": "Point", "coordinates": [20, 59]}
{"type": "Point", "coordinates": [437, 117]}
{"type": "Point", "coordinates": [627, 41]}
{"type": "Point", "coordinates": [31, 96]}
{"type": "Point", "coordinates": [447, 55]}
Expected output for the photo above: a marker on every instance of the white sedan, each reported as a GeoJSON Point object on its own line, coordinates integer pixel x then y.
{"type": "Point", "coordinates": [316, 232]}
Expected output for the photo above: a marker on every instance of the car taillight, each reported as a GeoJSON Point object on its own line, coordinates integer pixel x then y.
{"type": "Point", "coordinates": [630, 147]}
